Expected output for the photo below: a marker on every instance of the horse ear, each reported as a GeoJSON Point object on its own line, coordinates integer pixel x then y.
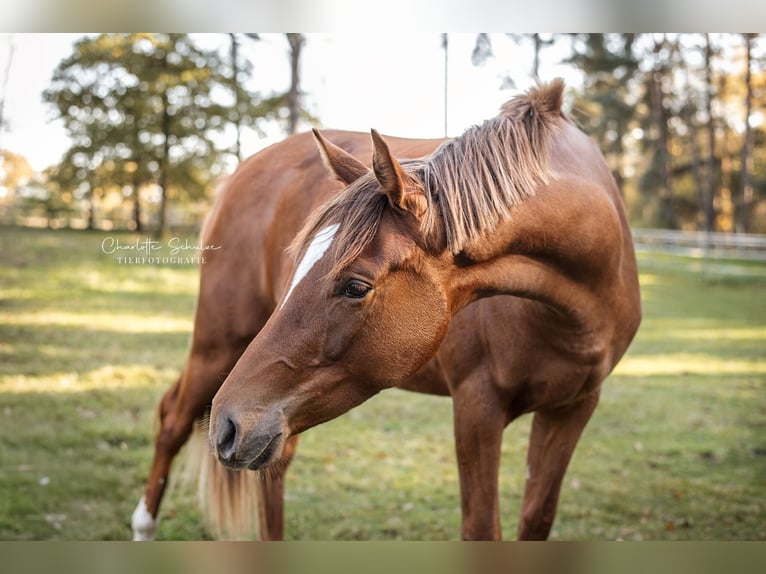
{"type": "Point", "coordinates": [394, 182]}
{"type": "Point", "coordinates": [344, 166]}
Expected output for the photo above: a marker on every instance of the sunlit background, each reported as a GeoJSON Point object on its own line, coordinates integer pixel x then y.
{"type": "Point", "coordinates": [348, 81]}
{"type": "Point", "coordinates": [679, 116]}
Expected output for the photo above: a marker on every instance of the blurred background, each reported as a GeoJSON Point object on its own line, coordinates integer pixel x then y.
{"type": "Point", "coordinates": [136, 131]}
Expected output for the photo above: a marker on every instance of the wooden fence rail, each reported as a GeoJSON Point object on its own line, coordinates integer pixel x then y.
{"type": "Point", "coordinates": [702, 244]}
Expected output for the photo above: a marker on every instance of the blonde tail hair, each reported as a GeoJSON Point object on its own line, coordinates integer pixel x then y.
{"type": "Point", "coordinates": [230, 500]}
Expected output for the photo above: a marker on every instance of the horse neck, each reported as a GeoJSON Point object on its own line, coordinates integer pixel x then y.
{"type": "Point", "coordinates": [535, 256]}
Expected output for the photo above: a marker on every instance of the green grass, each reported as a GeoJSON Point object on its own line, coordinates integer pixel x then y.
{"type": "Point", "coordinates": [676, 449]}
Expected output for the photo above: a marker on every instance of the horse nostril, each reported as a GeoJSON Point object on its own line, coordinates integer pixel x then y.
{"type": "Point", "coordinates": [226, 438]}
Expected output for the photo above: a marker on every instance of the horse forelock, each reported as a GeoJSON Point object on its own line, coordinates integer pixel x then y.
{"type": "Point", "coordinates": [471, 183]}
{"type": "Point", "coordinates": [357, 211]}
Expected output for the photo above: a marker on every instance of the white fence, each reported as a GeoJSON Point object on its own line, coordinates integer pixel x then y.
{"type": "Point", "coordinates": [702, 244]}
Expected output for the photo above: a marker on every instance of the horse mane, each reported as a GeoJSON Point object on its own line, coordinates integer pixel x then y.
{"type": "Point", "coordinates": [471, 183]}
{"type": "Point", "coordinates": [479, 176]}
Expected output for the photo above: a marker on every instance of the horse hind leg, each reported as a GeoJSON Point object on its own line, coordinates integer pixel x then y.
{"type": "Point", "coordinates": [553, 438]}
{"type": "Point", "coordinates": [181, 406]}
{"type": "Point", "coordinates": [176, 415]}
{"type": "Point", "coordinates": [167, 443]}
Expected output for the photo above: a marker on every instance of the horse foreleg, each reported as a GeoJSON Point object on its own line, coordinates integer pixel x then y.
{"type": "Point", "coordinates": [271, 495]}
{"type": "Point", "coordinates": [479, 424]}
{"type": "Point", "coordinates": [553, 438]}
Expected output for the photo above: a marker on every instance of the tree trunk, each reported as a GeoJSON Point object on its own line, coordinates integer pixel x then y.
{"type": "Point", "coordinates": [709, 207]}
{"type": "Point", "coordinates": [162, 231]}
{"type": "Point", "coordinates": [293, 97]}
{"type": "Point", "coordinates": [619, 156]}
{"type": "Point", "coordinates": [137, 211]}
{"type": "Point", "coordinates": [136, 204]}
{"type": "Point", "coordinates": [536, 60]}
{"type": "Point", "coordinates": [236, 79]}
{"type": "Point", "coordinates": [4, 91]}
{"type": "Point", "coordinates": [235, 86]}
{"type": "Point", "coordinates": [699, 182]}
{"type": "Point", "coordinates": [663, 146]}
{"type": "Point", "coordinates": [746, 186]}
{"type": "Point", "coordinates": [725, 207]}
{"type": "Point", "coordinates": [445, 47]}
{"type": "Point", "coordinates": [91, 209]}
{"type": "Point", "coordinates": [162, 228]}
{"type": "Point", "coordinates": [690, 112]}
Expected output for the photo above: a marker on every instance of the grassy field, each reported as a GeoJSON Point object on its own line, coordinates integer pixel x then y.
{"type": "Point", "coordinates": [676, 449]}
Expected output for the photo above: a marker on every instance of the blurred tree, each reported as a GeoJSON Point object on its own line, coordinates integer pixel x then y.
{"type": "Point", "coordinates": [240, 70]}
{"type": "Point", "coordinates": [659, 87]}
{"type": "Point", "coordinates": [538, 41]}
{"type": "Point", "coordinates": [4, 86]}
{"type": "Point", "coordinates": [666, 110]}
{"type": "Point", "coordinates": [606, 103]}
{"type": "Point", "coordinates": [445, 47]}
{"type": "Point", "coordinates": [15, 172]}
{"type": "Point", "coordinates": [482, 49]}
{"type": "Point", "coordinates": [296, 42]}
{"type": "Point", "coordinates": [745, 196]}
{"type": "Point", "coordinates": [286, 108]}
{"type": "Point", "coordinates": [708, 207]}
{"type": "Point", "coordinates": [689, 112]}
{"type": "Point", "coordinates": [737, 102]}
{"type": "Point", "coordinates": [143, 111]}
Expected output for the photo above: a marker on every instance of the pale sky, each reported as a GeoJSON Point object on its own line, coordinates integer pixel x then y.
{"type": "Point", "coordinates": [394, 84]}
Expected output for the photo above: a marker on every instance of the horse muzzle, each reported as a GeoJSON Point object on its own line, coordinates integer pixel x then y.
{"type": "Point", "coordinates": [242, 441]}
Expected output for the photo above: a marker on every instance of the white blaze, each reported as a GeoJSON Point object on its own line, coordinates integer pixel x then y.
{"type": "Point", "coordinates": [319, 245]}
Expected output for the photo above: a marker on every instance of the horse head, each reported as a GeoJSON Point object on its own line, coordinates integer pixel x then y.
{"type": "Point", "coordinates": [366, 307]}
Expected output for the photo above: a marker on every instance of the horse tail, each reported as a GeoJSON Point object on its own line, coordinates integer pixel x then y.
{"type": "Point", "coordinates": [229, 500]}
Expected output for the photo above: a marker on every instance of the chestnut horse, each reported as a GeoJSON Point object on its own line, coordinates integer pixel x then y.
{"type": "Point", "coordinates": [497, 268]}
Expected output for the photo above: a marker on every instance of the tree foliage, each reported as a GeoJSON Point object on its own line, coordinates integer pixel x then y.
{"type": "Point", "coordinates": [679, 118]}
{"type": "Point", "coordinates": [669, 111]}
{"type": "Point", "coordinates": [146, 114]}
{"type": "Point", "coordinates": [15, 171]}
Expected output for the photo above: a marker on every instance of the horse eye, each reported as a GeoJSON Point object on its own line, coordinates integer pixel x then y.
{"type": "Point", "coordinates": [355, 289]}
